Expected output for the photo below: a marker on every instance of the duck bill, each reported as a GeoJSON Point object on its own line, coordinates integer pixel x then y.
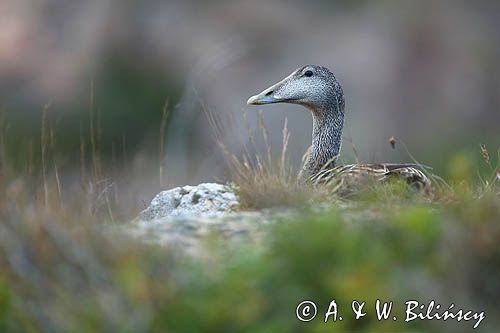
{"type": "Point", "coordinates": [262, 99]}
{"type": "Point", "coordinates": [270, 95]}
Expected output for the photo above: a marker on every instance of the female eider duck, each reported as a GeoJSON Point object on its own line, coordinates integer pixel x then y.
{"type": "Point", "coordinates": [317, 89]}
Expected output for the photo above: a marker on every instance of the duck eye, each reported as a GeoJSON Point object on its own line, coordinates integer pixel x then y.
{"type": "Point", "coordinates": [308, 73]}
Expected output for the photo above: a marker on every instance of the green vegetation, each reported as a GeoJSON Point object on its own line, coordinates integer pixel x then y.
{"type": "Point", "coordinates": [63, 270]}
{"type": "Point", "coordinates": [71, 276]}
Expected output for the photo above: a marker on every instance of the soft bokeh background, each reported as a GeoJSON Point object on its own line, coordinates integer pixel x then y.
{"type": "Point", "coordinates": [105, 102]}
{"type": "Point", "coordinates": [425, 72]}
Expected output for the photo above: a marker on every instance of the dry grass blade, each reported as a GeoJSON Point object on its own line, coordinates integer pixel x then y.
{"type": "Point", "coordinates": [83, 172]}
{"type": "Point", "coordinates": [56, 169]}
{"type": "Point", "coordinates": [354, 149]}
{"type": "Point", "coordinates": [265, 135]}
{"type": "Point", "coordinates": [43, 149]}
{"type": "Point", "coordinates": [485, 154]}
{"type": "Point", "coordinates": [286, 138]}
{"type": "Point", "coordinates": [161, 145]}
{"type": "Point", "coordinates": [3, 153]}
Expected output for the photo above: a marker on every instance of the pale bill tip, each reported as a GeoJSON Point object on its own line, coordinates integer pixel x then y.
{"type": "Point", "coordinates": [253, 100]}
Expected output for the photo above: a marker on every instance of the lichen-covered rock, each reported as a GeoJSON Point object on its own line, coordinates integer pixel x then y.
{"type": "Point", "coordinates": [191, 234]}
{"type": "Point", "coordinates": [173, 221]}
{"type": "Point", "coordinates": [207, 199]}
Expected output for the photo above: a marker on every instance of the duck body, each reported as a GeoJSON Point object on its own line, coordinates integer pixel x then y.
{"type": "Point", "coordinates": [380, 172]}
{"type": "Point", "coordinates": [317, 89]}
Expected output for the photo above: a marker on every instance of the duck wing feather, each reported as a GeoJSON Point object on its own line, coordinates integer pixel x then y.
{"type": "Point", "coordinates": [380, 172]}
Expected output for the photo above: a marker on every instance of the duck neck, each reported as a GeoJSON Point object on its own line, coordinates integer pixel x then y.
{"type": "Point", "coordinates": [326, 139]}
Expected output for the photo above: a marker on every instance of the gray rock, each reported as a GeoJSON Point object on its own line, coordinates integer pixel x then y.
{"type": "Point", "coordinates": [186, 218]}
{"type": "Point", "coordinates": [189, 218]}
{"type": "Point", "coordinates": [192, 218]}
{"type": "Point", "coordinates": [204, 200]}
{"type": "Point", "coordinates": [191, 234]}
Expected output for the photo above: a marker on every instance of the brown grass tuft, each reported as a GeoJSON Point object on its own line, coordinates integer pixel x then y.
{"type": "Point", "coordinates": [266, 180]}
